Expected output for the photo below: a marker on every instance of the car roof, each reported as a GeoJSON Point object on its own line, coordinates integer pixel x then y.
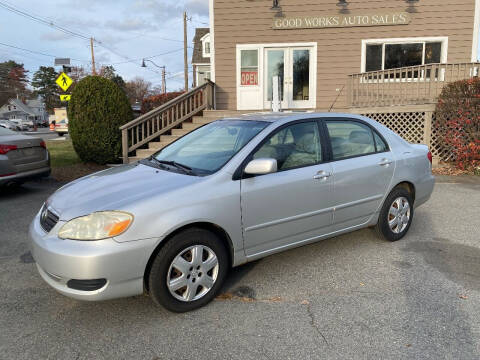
{"type": "Point", "coordinates": [288, 116]}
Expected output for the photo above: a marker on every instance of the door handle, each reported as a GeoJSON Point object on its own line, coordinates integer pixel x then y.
{"type": "Point", "coordinates": [322, 175]}
{"type": "Point", "coordinates": [385, 162]}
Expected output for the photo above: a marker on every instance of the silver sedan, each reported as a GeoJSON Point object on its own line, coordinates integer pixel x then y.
{"type": "Point", "coordinates": [230, 192]}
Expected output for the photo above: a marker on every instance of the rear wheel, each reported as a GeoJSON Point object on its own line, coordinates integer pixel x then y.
{"type": "Point", "coordinates": [60, 134]}
{"type": "Point", "coordinates": [396, 215]}
{"type": "Point", "coordinates": [188, 271]}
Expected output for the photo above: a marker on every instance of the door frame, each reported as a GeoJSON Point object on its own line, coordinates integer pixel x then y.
{"type": "Point", "coordinates": [258, 92]}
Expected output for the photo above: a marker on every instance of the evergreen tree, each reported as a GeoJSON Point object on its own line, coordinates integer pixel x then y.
{"type": "Point", "coordinates": [13, 81]}
{"type": "Point", "coordinates": [44, 84]}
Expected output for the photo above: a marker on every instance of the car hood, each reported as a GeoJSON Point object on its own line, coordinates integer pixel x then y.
{"type": "Point", "coordinates": [115, 189]}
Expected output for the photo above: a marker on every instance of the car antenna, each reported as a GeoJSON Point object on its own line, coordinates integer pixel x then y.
{"type": "Point", "coordinates": [334, 101]}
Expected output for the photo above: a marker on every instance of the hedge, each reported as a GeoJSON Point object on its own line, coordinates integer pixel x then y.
{"type": "Point", "coordinates": [96, 111]}
{"type": "Point", "coordinates": [458, 121]}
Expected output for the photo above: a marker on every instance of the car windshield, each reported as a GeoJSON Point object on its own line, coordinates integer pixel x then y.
{"type": "Point", "coordinates": [4, 131]}
{"type": "Point", "coordinates": [208, 148]}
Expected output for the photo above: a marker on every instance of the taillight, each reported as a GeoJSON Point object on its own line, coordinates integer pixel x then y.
{"type": "Point", "coordinates": [6, 148]}
{"type": "Point", "coordinates": [429, 156]}
{"type": "Point", "coordinates": [43, 145]}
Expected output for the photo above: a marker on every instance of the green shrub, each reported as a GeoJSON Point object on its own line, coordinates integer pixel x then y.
{"type": "Point", "coordinates": [96, 111]}
{"type": "Point", "coordinates": [458, 122]}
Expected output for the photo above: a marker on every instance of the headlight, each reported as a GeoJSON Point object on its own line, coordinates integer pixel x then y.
{"type": "Point", "coordinates": [96, 226]}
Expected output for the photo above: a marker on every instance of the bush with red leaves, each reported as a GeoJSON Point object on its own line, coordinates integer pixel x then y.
{"type": "Point", "coordinates": [154, 101]}
{"type": "Point", "coordinates": [458, 122]}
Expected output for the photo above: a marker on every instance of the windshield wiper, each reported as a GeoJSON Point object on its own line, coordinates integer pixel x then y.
{"type": "Point", "coordinates": [186, 169]}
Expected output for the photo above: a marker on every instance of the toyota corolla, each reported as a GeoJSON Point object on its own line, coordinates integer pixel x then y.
{"type": "Point", "coordinates": [230, 192]}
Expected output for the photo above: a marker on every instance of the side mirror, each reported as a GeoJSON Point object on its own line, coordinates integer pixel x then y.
{"type": "Point", "coordinates": [261, 166]}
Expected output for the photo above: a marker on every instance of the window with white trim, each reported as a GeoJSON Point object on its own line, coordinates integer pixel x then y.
{"type": "Point", "coordinates": [206, 46]}
{"type": "Point", "coordinates": [390, 55]}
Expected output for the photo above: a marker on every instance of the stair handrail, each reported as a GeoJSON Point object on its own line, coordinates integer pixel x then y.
{"type": "Point", "coordinates": [163, 118]}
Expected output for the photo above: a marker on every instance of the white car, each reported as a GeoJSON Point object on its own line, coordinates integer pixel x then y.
{"type": "Point", "coordinates": [7, 124]}
{"type": "Point", "coordinates": [22, 124]}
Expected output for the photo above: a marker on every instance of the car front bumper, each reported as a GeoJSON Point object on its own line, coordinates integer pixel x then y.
{"type": "Point", "coordinates": [59, 261]}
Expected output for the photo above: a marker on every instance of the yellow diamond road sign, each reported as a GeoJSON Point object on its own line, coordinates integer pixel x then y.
{"type": "Point", "coordinates": [64, 81]}
{"type": "Point", "coordinates": [65, 97]}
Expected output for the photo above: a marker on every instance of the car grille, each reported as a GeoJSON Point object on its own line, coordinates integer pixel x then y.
{"type": "Point", "coordinates": [47, 219]}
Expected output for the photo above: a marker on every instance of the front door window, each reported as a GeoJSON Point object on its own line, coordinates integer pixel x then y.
{"type": "Point", "coordinates": [301, 74]}
{"type": "Point", "coordinates": [275, 67]}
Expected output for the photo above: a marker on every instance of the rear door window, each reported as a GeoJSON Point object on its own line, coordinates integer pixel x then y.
{"type": "Point", "coordinates": [350, 139]}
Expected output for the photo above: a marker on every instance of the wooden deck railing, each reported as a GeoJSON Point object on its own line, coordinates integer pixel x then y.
{"type": "Point", "coordinates": [411, 85]}
{"type": "Point", "coordinates": [158, 121]}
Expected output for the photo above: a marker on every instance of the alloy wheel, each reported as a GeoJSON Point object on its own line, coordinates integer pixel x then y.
{"type": "Point", "coordinates": [192, 273]}
{"type": "Point", "coordinates": [399, 215]}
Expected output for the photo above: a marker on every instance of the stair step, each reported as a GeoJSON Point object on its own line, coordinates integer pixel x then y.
{"type": "Point", "coordinates": [201, 120]}
{"type": "Point", "coordinates": [168, 138]}
{"type": "Point", "coordinates": [157, 145]}
{"type": "Point", "coordinates": [220, 116]}
{"type": "Point", "coordinates": [179, 132]}
{"type": "Point", "coordinates": [190, 126]}
{"type": "Point", "coordinates": [143, 153]}
{"type": "Point", "coordinates": [225, 112]}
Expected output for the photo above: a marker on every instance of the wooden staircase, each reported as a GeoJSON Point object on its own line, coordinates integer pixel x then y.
{"type": "Point", "coordinates": [151, 131]}
{"type": "Point", "coordinates": [185, 127]}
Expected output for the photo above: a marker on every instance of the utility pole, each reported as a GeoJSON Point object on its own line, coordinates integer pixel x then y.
{"type": "Point", "coordinates": [185, 55]}
{"type": "Point", "coordinates": [93, 57]}
{"type": "Point", "coordinates": [164, 84]}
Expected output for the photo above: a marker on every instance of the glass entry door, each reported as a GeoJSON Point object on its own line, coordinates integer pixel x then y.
{"type": "Point", "coordinates": [275, 66]}
{"type": "Point", "coordinates": [294, 67]}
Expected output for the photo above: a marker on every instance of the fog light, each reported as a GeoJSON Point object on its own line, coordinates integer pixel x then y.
{"type": "Point", "coordinates": [86, 285]}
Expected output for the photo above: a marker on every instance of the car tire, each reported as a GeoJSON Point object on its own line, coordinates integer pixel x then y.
{"type": "Point", "coordinates": [393, 224]}
{"type": "Point", "coordinates": [60, 134]}
{"type": "Point", "coordinates": [164, 272]}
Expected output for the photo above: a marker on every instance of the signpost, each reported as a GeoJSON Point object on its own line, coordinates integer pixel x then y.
{"type": "Point", "coordinates": [65, 97]}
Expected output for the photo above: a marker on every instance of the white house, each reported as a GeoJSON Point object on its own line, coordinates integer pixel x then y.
{"type": "Point", "coordinates": [201, 56]}
{"type": "Point", "coordinates": [33, 110]}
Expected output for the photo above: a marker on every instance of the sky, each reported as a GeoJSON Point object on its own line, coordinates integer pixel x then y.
{"type": "Point", "coordinates": [127, 31]}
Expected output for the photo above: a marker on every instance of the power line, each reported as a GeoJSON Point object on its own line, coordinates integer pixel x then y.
{"type": "Point", "coordinates": [148, 57]}
{"type": "Point", "coordinates": [38, 52]}
{"type": "Point", "coordinates": [50, 23]}
{"type": "Point", "coordinates": [42, 21]}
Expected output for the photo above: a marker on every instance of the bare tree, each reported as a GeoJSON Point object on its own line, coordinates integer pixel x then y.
{"type": "Point", "coordinates": [137, 89]}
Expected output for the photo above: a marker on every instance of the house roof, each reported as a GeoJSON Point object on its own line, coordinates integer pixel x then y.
{"type": "Point", "coordinates": [38, 102]}
{"type": "Point", "coordinates": [20, 106]}
{"type": "Point", "coordinates": [197, 56]}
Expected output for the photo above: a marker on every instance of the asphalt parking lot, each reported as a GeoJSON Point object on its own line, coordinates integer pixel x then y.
{"type": "Point", "coordinates": [349, 297]}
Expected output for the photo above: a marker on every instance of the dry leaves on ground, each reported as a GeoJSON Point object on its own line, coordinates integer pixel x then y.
{"type": "Point", "coordinates": [448, 169]}
{"type": "Point", "coordinates": [72, 172]}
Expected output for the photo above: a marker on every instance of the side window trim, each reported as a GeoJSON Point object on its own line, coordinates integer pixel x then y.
{"type": "Point", "coordinates": [360, 121]}
{"type": "Point", "coordinates": [238, 174]}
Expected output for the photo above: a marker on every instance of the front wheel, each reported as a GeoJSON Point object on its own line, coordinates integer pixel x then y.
{"type": "Point", "coordinates": [396, 215]}
{"type": "Point", "coordinates": [188, 271]}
